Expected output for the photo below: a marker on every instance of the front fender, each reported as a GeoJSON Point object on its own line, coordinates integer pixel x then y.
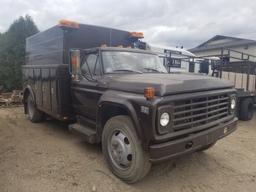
{"type": "Point", "coordinates": [126, 102]}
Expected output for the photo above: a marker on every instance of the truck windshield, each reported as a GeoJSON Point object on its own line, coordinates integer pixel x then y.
{"type": "Point", "coordinates": [131, 62]}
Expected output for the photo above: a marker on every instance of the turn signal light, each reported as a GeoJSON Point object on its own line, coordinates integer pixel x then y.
{"type": "Point", "coordinates": [74, 60]}
{"type": "Point", "coordinates": [137, 34]}
{"type": "Point", "coordinates": [75, 63]}
{"type": "Point", "coordinates": [149, 93]}
{"type": "Point", "coordinates": [70, 24]}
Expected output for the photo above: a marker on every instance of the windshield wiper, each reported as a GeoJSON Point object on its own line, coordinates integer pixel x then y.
{"type": "Point", "coordinates": [152, 69]}
{"type": "Point", "coordinates": [128, 70]}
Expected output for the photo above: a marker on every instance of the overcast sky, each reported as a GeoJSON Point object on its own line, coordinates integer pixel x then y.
{"type": "Point", "coordinates": [164, 22]}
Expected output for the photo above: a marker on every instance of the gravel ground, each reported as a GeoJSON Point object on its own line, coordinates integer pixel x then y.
{"type": "Point", "coordinates": [46, 157]}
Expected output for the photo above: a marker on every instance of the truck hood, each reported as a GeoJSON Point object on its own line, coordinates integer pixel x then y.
{"type": "Point", "coordinates": [165, 84]}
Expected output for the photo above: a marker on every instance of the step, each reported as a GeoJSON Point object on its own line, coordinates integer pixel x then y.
{"type": "Point", "coordinates": [86, 132]}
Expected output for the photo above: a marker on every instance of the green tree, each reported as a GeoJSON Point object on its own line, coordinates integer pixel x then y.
{"type": "Point", "coordinates": [12, 52]}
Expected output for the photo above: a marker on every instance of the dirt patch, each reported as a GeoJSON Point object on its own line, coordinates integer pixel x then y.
{"type": "Point", "coordinates": [47, 157]}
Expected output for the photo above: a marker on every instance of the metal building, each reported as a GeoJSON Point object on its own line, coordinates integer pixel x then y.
{"type": "Point", "coordinates": [214, 45]}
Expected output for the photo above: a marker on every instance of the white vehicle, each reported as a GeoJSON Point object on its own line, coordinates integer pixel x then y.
{"type": "Point", "coordinates": [175, 59]}
{"type": "Point", "coordinates": [182, 60]}
{"type": "Point", "coordinates": [204, 64]}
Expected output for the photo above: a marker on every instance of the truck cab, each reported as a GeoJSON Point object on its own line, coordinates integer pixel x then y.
{"type": "Point", "coordinates": [123, 98]}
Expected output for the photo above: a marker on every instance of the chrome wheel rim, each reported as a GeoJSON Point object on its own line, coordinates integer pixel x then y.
{"type": "Point", "coordinates": [120, 150]}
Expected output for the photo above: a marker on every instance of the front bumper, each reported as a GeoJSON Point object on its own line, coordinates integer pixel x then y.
{"type": "Point", "coordinates": [164, 151]}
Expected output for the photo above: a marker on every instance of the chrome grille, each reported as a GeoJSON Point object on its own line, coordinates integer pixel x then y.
{"type": "Point", "coordinates": [194, 112]}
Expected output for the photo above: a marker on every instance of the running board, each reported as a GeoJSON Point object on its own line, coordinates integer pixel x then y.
{"type": "Point", "coordinates": [88, 133]}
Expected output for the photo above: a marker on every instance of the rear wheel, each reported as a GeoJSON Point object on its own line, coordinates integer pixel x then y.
{"type": "Point", "coordinates": [34, 114]}
{"type": "Point", "coordinates": [123, 151]}
{"type": "Point", "coordinates": [246, 109]}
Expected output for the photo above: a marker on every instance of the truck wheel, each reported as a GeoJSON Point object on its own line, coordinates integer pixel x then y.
{"type": "Point", "coordinates": [246, 109]}
{"type": "Point", "coordinates": [123, 151]}
{"type": "Point", "coordinates": [206, 147]}
{"type": "Point", "coordinates": [34, 114]}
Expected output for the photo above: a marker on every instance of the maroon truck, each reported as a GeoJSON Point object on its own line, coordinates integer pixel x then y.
{"type": "Point", "coordinates": [114, 91]}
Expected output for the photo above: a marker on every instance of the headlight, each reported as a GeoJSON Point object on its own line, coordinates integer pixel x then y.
{"type": "Point", "coordinates": [233, 103]}
{"type": "Point", "coordinates": [164, 119]}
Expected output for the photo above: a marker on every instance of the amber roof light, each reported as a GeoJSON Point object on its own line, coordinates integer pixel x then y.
{"type": "Point", "coordinates": [70, 24]}
{"type": "Point", "coordinates": [137, 34]}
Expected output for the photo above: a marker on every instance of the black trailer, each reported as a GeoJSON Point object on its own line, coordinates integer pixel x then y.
{"type": "Point", "coordinates": [239, 68]}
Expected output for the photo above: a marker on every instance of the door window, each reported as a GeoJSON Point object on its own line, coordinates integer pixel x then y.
{"type": "Point", "coordinates": [91, 61]}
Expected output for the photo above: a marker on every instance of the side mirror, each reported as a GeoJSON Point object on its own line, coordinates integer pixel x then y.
{"type": "Point", "coordinates": [75, 64]}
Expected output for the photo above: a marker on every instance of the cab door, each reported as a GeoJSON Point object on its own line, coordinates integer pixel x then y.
{"type": "Point", "coordinates": [86, 91]}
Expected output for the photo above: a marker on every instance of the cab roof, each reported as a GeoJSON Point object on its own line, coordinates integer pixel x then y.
{"type": "Point", "coordinates": [121, 49]}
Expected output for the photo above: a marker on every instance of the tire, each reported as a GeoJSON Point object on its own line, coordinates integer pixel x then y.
{"type": "Point", "coordinates": [246, 109]}
{"type": "Point", "coordinates": [206, 147]}
{"type": "Point", "coordinates": [119, 134]}
{"type": "Point", "coordinates": [34, 114]}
